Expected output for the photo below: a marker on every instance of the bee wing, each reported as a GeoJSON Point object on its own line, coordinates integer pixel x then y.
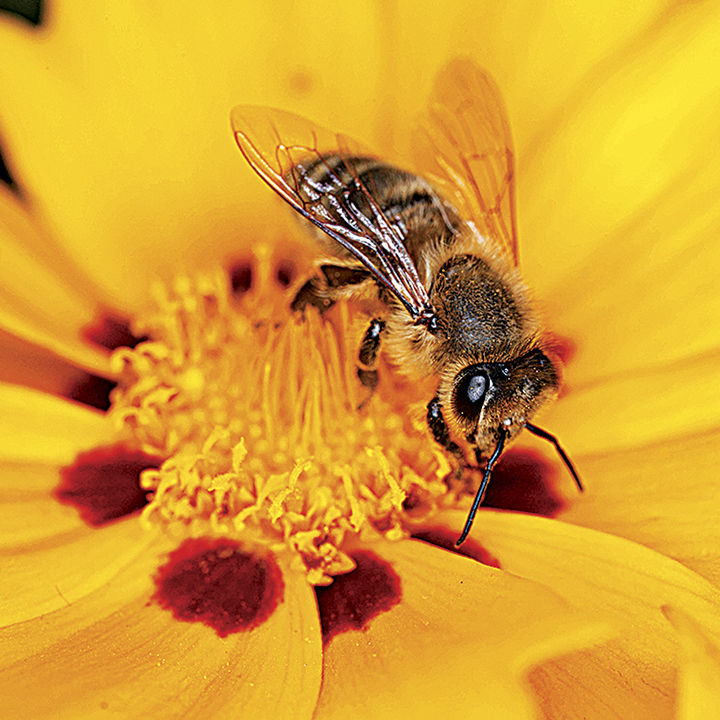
{"type": "Point", "coordinates": [464, 141]}
{"type": "Point", "coordinates": [286, 151]}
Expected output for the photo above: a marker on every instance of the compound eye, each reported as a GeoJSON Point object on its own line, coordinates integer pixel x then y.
{"type": "Point", "coordinates": [471, 387]}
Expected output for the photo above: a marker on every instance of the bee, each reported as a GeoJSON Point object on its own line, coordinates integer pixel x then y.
{"type": "Point", "coordinates": [434, 253]}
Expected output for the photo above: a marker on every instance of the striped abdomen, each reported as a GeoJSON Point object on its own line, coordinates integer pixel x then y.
{"type": "Point", "coordinates": [406, 200]}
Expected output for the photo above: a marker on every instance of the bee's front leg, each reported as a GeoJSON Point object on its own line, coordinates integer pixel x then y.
{"type": "Point", "coordinates": [367, 357]}
{"type": "Point", "coordinates": [439, 429]}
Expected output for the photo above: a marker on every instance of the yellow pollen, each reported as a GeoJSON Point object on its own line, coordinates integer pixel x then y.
{"type": "Point", "coordinates": [255, 411]}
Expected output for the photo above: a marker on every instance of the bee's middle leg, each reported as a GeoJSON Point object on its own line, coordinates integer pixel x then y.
{"type": "Point", "coordinates": [367, 357]}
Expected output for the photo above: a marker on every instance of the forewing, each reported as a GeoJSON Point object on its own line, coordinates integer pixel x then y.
{"type": "Point", "coordinates": [312, 169]}
{"type": "Point", "coordinates": [464, 143]}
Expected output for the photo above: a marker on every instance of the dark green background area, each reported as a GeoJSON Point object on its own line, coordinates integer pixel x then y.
{"type": "Point", "coordinates": [5, 173]}
{"type": "Point", "coordinates": [32, 12]}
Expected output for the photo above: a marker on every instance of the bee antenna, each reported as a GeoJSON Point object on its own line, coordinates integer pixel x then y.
{"type": "Point", "coordinates": [545, 435]}
{"type": "Point", "coordinates": [480, 494]}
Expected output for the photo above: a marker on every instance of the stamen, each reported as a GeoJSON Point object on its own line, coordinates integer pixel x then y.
{"type": "Point", "coordinates": [255, 410]}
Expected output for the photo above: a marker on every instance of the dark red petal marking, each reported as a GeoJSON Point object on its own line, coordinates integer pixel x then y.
{"type": "Point", "coordinates": [241, 278]}
{"type": "Point", "coordinates": [445, 538]}
{"type": "Point", "coordinates": [563, 347]}
{"type": "Point", "coordinates": [523, 481]}
{"type": "Point", "coordinates": [285, 273]}
{"type": "Point", "coordinates": [91, 390]}
{"type": "Point", "coordinates": [355, 598]}
{"type": "Point", "coordinates": [104, 484]}
{"type": "Point", "coordinates": [111, 332]}
{"type": "Point", "coordinates": [216, 583]}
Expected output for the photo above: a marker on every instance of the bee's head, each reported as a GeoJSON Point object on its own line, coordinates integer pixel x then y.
{"type": "Point", "coordinates": [491, 402]}
{"type": "Point", "coordinates": [493, 399]}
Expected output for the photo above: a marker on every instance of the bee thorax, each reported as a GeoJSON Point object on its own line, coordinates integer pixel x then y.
{"type": "Point", "coordinates": [480, 312]}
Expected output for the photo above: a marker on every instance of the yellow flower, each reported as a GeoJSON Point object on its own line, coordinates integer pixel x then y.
{"type": "Point", "coordinates": [271, 572]}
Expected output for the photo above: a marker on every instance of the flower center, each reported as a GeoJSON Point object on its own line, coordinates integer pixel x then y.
{"type": "Point", "coordinates": [255, 410]}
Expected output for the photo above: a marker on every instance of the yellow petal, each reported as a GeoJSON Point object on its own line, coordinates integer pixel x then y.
{"type": "Point", "coordinates": [23, 362]}
{"type": "Point", "coordinates": [55, 572]}
{"type": "Point", "coordinates": [639, 408]}
{"type": "Point", "coordinates": [659, 306]}
{"type": "Point", "coordinates": [457, 642]}
{"type": "Point", "coordinates": [113, 651]}
{"type": "Point", "coordinates": [614, 580]}
{"type": "Point", "coordinates": [699, 682]}
{"type": "Point", "coordinates": [36, 427]}
{"type": "Point", "coordinates": [43, 297]}
{"type": "Point", "coordinates": [631, 139]}
{"type": "Point", "coordinates": [136, 149]}
{"type": "Point", "coordinates": [662, 495]}
{"type": "Point", "coordinates": [29, 514]}
{"type": "Point", "coordinates": [48, 510]}
{"type": "Point", "coordinates": [169, 189]}
{"type": "Point", "coordinates": [619, 219]}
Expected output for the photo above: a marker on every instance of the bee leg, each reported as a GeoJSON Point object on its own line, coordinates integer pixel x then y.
{"type": "Point", "coordinates": [439, 429]}
{"type": "Point", "coordinates": [322, 291]}
{"type": "Point", "coordinates": [367, 357]}
{"type": "Point", "coordinates": [313, 292]}
{"type": "Point", "coordinates": [339, 276]}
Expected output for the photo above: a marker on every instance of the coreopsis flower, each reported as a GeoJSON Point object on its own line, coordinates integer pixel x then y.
{"type": "Point", "coordinates": [197, 519]}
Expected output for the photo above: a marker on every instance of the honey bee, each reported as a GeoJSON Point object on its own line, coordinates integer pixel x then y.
{"type": "Point", "coordinates": [435, 254]}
